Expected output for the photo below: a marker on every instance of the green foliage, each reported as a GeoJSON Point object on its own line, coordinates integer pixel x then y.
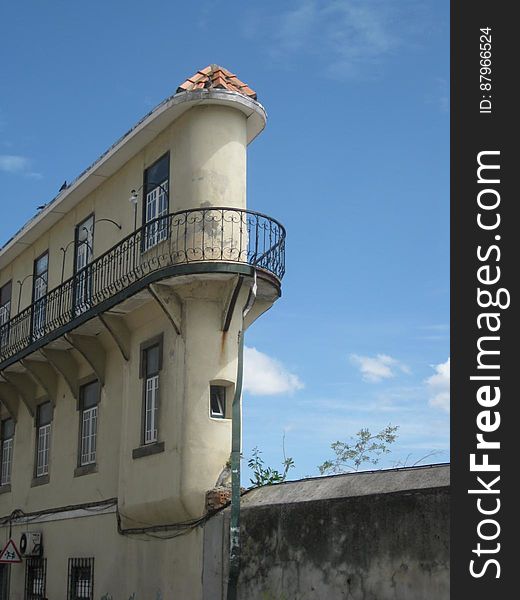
{"type": "Point", "coordinates": [363, 448]}
{"type": "Point", "coordinates": [263, 475]}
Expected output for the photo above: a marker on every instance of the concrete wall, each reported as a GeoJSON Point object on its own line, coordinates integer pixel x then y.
{"type": "Point", "coordinates": [366, 536]}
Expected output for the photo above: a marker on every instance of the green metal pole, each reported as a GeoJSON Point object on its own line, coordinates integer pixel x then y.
{"type": "Point", "coordinates": [234, 528]}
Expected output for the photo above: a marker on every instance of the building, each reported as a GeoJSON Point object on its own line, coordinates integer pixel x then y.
{"type": "Point", "coordinates": [119, 333]}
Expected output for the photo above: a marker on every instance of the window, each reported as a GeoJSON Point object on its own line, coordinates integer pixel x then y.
{"type": "Point", "coordinates": [156, 202]}
{"type": "Point", "coordinates": [6, 441]}
{"type": "Point", "coordinates": [217, 401]}
{"type": "Point", "coordinates": [43, 438]}
{"type": "Point", "coordinates": [88, 398]}
{"type": "Point", "coordinates": [83, 252]}
{"type": "Point", "coordinates": [81, 579]}
{"type": "Point", "coordinates": [40, 281]}
{"type": "Point", "coordinates": [151, 364]}
{"type": "Point", "coordinates": [35, 576]}
{"type": "Point", "coordinates": [5, 313]}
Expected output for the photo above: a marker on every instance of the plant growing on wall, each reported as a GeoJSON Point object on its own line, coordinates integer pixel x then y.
{"type": "Point", "coordinates": [263, 475]}
{"type": "Point", "coordinates": [364, 447]}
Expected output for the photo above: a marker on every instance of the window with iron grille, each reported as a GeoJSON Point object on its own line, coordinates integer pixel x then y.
{"type": "Point", "coordinates": [81, 579]}
{"type": "Point", "coordinates": [89, 397]}
{"type": "Point", "coordinates": [35, 578]}
{"type": "Point", "coordinates": [6, 445]}
{"type": "Point", "coordinates": [43, 438]}
{"type": "Point", "coordinates": [156, 202]}
{"type": "Point", "coordinates": [151, 364]}
{"type": "Point", "coordinates": [5, 313]}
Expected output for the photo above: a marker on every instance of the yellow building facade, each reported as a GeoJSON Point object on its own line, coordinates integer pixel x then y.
{"type": "Point", "coordinates": [121, 307]}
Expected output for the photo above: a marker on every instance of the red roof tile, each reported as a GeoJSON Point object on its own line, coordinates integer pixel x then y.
{"type": "Point", "coordinates": [214, 76]}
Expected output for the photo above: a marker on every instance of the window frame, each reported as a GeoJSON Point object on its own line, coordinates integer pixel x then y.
{"type": "Point", "coordinates": [39, 332]}
{"type": "Point", "coordinates": [224, 414]}
{"type": "Point", "coordinates": [80, 563]}
{"type": "Point", "coordinates": [83, 277]}
{"type": "Point", "coordinates": [41, 476]}
{"type": "Point", "coordinates": [81, 409]}
{"type": "Point", "coordinates": [158, 231]}
{"type": "Point", "coordinates": [5, 482]}
{"type": "Point", "coordinates": [150, 376]}
{"type": "Point", "coordinates": [35, 563]}
{"type": "Point", "coordinates": [5, 312]}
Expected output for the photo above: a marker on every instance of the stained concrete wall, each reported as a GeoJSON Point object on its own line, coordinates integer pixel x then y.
{"type": "Point", "coordinates": [366, 536]}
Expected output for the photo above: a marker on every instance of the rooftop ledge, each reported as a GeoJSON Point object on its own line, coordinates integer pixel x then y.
{"type": "Point", "coordinates": [205, 240]}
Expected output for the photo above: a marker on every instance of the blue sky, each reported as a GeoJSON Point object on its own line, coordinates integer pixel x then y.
{"type": "Point", "coordinates": [354, 162]}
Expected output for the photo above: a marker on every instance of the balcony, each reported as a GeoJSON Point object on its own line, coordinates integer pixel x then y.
{"type": "Point", "coordinates": [206, 240]}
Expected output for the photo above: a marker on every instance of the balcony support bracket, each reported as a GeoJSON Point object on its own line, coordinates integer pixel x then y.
{"type": "Point", "coordinates": [64, 365]}
{"type": "Point", "coordinates": [25, 387]}
{"type": "Point", "coordinates": [229, 306]}
{"type": "Point", "coordinates": [44, 375]}
{"type": "Point", "coordinates": [9, 398]}
{"type": "Point", "coordinates": [119, 332]}
{"type": "Point", "coordinates": [92, 351]}
{"type": "Point", "coordinates": [169, 303]}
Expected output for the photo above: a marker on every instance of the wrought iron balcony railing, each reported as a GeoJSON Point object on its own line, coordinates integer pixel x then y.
{"type": "Point", "coordinates": [172, 244]}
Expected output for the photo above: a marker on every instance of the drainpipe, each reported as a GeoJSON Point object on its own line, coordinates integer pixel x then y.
{"type": "Point", "coordinates": [236, 434]}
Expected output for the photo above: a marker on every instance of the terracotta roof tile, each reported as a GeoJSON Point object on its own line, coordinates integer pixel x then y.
{"type": "Point", "coordinates": [215, 76]}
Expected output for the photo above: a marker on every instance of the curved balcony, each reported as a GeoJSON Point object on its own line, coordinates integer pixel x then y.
{"type": "Point", "coordinates": [187, 242]}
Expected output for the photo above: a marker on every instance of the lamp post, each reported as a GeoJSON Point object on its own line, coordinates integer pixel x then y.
{"type": "Point", "coordinates": [64, 250]}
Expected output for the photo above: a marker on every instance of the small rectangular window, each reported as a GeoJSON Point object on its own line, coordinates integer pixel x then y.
{"type": "Point", "coordinates": [81, 579]}
{"type": "Point", "coordinates": [35, 578]}
{"type": "Point", "coordinates": [217, 398]}
{"type": "Point", "coordinates": [6, 442]}
{"type": "Point", "coordinates": [43, 438]}
{"type": "Point", "coordinates": [89, 396]}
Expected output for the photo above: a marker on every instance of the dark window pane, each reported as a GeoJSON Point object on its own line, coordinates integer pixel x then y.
{"type": "Point", "coordinates": [5, 294]}
{"type": "Point", "coordinates": [152, 360]}
{"type": "Point", "coordinates": [157, 173]}
{"type": "Point", "coordinates": [44, 414]}
{"type": "Point", "coordinates": [41, 265]}
{"type": "Point", "coordinates": [218, 401]}
{"type": "Point", "coordinates": [89, 395]}
{"type": "Point", "coordinates": [7, 429]}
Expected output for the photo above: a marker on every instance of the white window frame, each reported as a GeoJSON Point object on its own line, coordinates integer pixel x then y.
{"type": "Point", "coordinates": [40, 286]}
{"type": "Point", "coordinates": [156, 206]}
{"type": "Point", "coordinates": [221, 413]}
{"type": "Point", "coordinates": [84, 248]}
{"type": "Point", "coordinates": [43, 450]}
{"type": "Point", "coordinates": [151, 409]}
{"type": "Point", "coordinates": [7, 461]}
{"type": "Point", "coordinates": [88, 435]}
{"type": "Point", "coordinates": [5, 315]}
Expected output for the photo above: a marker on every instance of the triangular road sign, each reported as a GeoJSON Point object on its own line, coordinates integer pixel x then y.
{"type": "Point", "coordinates": [10, 553]}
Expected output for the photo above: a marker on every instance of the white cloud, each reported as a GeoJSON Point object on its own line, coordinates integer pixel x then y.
{"type": "Point", "coordinates": [379, 367]}
{"type": "Point", "coordinates": [13, 164]}
{"type": "Point", "coordinates": [347, 36]}
{"type": "Point", "coordinates": [439, 385]}
{"type": "Point", "coordinates": [18, 165]}
{"type": "Point", "coordinates": [265, 376]}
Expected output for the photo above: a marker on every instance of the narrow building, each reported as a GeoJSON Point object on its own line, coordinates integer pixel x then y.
{"type": "Point", "coordinates": [121, 308]}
